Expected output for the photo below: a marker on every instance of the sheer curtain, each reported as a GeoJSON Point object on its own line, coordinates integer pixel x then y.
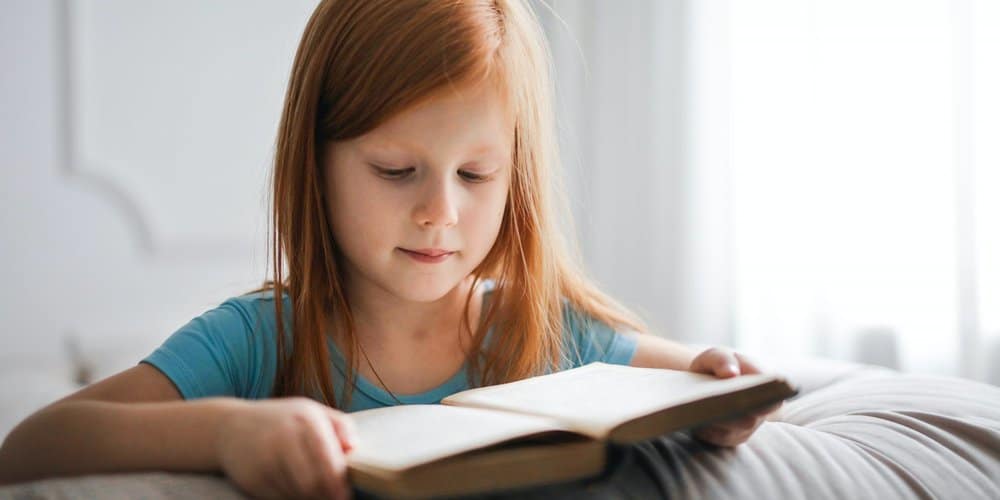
{"type": "Point", "coordinates": [835, 167]}
{"type": "Point", "coordinates": [863, 212]}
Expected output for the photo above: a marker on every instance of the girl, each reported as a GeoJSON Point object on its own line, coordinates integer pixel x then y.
{"type": "Point", "coordinates": [415, 253]}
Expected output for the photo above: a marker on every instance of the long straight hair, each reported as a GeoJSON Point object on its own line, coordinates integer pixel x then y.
{"type": "Point", "coordinates": [359, 63]}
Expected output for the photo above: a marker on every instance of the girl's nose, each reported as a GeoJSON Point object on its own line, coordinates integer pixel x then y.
{"type": "Point", "coordinates": [437, 207]}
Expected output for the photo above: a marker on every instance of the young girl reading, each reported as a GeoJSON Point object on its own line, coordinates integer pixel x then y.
{"type": "Point", "coordinates": [416, 252]}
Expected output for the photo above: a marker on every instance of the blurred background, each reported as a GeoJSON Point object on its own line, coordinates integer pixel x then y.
{"type": "Point", "coordinates": [796, 178]}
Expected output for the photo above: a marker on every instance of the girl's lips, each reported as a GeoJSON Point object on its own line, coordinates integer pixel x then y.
{"type": "Point", "coordinates": [430, 252]}
{"type": "Point", "coordinates": [419, 257]}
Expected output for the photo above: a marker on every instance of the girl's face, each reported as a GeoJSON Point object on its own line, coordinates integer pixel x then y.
{"type": "Point", "coordinates": [433, 178]}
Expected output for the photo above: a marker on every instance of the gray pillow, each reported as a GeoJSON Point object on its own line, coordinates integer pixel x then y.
{"type": "Point", "coordinates": [877, 434]}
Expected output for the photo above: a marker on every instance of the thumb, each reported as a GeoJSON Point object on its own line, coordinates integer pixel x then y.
{"type": "Point", "coordinates": [347, 431]}
{"type": "Point", "coordinates": [716, 361]}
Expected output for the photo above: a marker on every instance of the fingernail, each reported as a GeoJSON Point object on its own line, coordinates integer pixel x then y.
{"type": "Point", "coordinates": [733, 368]}
{"type": "Point", "coordinates": [348, 443]}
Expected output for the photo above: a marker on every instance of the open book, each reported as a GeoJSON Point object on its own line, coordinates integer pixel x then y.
{"type": "Point", "coordinates": [544, 429]}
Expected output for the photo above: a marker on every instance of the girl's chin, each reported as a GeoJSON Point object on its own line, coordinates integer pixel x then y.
{"type": "Point", "coordinates": [426, 289]}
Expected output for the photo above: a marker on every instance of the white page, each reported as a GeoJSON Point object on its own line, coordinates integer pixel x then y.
{"type": "Point", "coordinates": [600, 396]}
{"type": "Point", "coordinates": [399, 437]}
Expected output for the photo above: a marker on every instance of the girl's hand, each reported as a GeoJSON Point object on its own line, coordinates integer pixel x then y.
{"type": "Point", "coordinates": [724, 363]}
{"type": "Point", "coordinates": [287, 447]}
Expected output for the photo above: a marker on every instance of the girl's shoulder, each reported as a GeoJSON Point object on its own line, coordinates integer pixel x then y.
{"type": "Point", "coordinates": [260, 302]}
{"type": "Point", "coordinates": [251, 315]}
{"type": "Point", "coordinates": [259, 295]}
{"type": "Point", "coordinates": [228, 350]}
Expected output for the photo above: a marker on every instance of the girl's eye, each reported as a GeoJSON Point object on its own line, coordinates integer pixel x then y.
{"type": "Point", "coordinates": [394, 174]}
{"type": "Point", "coordinates": [471, 177]}
{"type": "Point", "coordinates": [402, 173]}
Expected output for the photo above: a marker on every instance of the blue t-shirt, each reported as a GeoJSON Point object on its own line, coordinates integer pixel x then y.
{"type": "Point", "coordinates": [231, 351]}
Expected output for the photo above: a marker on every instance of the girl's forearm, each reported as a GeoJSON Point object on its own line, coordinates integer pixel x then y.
{"type": "Point", "coordinates": [653, 351]}
{"type": "Point", "coordinates": [90, 437]}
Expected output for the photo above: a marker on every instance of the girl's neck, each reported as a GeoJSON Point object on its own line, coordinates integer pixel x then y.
{"type": "Point", "coordinates": [383, 320]}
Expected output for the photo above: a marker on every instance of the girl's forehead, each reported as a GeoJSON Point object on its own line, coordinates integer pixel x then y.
{"type": "Point", "coordinates": [480, 104]}
{"type": "Point", "coordinates": [475, 120]}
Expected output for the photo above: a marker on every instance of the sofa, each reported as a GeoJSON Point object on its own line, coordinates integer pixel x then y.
{"type": "Point", "coordinates": [852, 431]}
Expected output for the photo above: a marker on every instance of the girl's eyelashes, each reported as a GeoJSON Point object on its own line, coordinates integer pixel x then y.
{"type": "Point", "coordinates": [389, 173]}
{"type": "Point", "coordinates": [474, 177]}
{"type": "Point", "coordinates": [396, 174]}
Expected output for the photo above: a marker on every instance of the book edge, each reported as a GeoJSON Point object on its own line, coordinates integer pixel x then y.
{"type": "Point", "coordinates": [601, 430]}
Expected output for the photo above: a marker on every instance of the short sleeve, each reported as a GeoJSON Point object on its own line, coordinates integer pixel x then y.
{"type": "Point", "coordinates": [589, 340]}
{"type": "Point", "coordinates": [223, 352]}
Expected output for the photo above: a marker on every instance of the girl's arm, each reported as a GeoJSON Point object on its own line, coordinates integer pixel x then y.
{"type": "Point", "coordinates": [652, 351]}
{"type": "Point", "coordinates": [135, 420]}
{"type": "Point", "coordinates": [91, 437]}
{"type": "Point", "coordinates": [285, 447]}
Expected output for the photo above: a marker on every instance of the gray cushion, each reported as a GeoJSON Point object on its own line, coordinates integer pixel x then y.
{"type": "Point", "coordinates": [147, 485]}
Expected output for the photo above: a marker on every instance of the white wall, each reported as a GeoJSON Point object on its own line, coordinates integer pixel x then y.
{"type": "Point", "coordinates": [134, 141]}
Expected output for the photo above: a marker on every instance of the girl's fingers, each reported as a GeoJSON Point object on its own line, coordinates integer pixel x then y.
{"type": "Point", "coordinates": [718, 436]}
{"type": "Point", "coordinates": [345, 429]}
{"type": "Point", "coordinates": [717, 361]}
{"type": "Point", "coordinates": [746, 365]}
{"type": "Point", "coordinates": [723, 363]}
{"type": "Point", "coordinates": [706, 434]}
{"type": "Point", "coordinates": [749, 432]}
{"type": "Point", "coordinates": [728, 434]}
{"type": "Point", "coordinates": [740, 423]}
{"type": "Point", "coordinates": [329, 462]}
{"type": "Point", "coordinates": [347, 434]}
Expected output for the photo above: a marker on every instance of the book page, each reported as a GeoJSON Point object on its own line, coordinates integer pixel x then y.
{"type": "Point", "coordinates": [399, 437]}
{"type": "Point", "coordinates": [597, 397]}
